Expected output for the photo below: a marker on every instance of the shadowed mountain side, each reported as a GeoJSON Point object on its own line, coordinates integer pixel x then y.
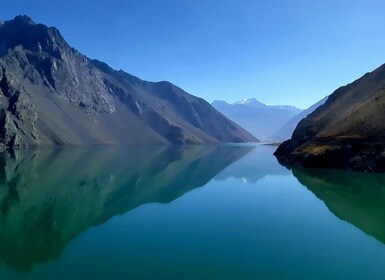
{"type": "Point", "coordinates": [48, 197]}
{"type": "Point", "coordinates": [358, 198]}
{"type": "Point", "coordinates": [51, 94]}
{"type": "Point", "coordinates": [254, 166]}
{"type": "Point", "coordinates": [346, 132]}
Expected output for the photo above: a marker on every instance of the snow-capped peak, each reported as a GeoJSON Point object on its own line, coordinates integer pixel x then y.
{"type": "Point", "coordinates": [250, 102]}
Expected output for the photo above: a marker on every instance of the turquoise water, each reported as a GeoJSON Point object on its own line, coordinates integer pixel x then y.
{"type": "Point", "coordinates": [195, 212]}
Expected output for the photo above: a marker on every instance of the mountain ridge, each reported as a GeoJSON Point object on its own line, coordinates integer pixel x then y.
{"type": "Point", "coordinates": [347, 132]}
{"type": "Point", "coordinates": [51, 94]}
{"type": "Point", "coordinates": [256, 103]}
{"type": "Point", "coordinates": [256, 117]}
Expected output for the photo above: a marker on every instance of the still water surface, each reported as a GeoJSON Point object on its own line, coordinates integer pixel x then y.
{"type": "Point", "coordinates": [194, 212]}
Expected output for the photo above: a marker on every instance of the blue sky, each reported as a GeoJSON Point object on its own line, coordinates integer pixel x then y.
{"type": "Point", "coordinates": [280, 52]}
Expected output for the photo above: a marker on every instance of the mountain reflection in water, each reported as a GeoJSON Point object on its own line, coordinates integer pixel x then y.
{"type": "Point", "coordinates": [48, 197]}
{"type": "Point", "coordinates": [358, 198]}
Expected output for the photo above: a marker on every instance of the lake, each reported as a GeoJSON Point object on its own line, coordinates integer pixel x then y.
{"type": "Point", "coordinates": [192, 212]}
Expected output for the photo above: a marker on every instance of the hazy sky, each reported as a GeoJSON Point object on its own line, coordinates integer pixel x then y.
{"type": "Point", "coordinates": [280, 52]}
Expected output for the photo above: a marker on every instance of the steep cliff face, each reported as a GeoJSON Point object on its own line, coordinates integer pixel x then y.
{"type": "Point", "coordinates": [348, 131]}
{"type": "Point", "coordinates": [51, 94]}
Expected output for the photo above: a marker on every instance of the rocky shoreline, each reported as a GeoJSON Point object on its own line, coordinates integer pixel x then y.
{"type": "Point", "coordinates": [351, 154]}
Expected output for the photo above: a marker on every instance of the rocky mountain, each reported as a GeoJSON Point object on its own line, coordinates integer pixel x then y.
{"type": "Point", "coordinates": [348, 131]}
{"type": "Point", "coordinates": [50, 94]}
{"type": "Point", "coordinates": [287, 129]}
{"type": "Point", "coordinates": [258, 118]}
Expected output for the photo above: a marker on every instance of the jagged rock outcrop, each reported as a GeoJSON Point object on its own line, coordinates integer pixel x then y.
{"type": "Point", "coordinates": [50, 94]}
{"type": "Point", "coordinates": [347, 132]}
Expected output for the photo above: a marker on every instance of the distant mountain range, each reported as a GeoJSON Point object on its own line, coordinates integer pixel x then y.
{"type": "Point", "coordinates": [260, 119]}
{"type": "Point", "coordinates": [50, 94]}
{"type": "Point", "coordinates": [348, 131]}
{"type": "Point", "coordinates": [287, 129]}
{"type": "Point", "coordinates": [256, 104]}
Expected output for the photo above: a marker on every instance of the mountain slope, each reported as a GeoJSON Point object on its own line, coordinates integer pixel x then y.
{"type": "Point", "coordinates": [348, 131]}
{"type": "Point", "coordinates": [51, 94]}
{"type": "Point", "coordinates": [258, 118]}
{"type": "Point", "coordinates": [287, 129]}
